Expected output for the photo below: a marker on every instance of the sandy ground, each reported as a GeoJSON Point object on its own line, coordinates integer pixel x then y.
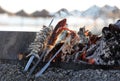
{"type": "Point", "coordinates": [9, 72]}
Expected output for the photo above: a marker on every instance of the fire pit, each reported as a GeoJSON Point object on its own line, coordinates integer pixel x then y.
{"type": "Point", "coordinates": [63, 54]}
{"type": "Point", "coordinates": [61, 46]}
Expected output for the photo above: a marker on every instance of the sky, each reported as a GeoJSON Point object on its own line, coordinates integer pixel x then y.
{"type": "Point", "coordinates": [54, 5]}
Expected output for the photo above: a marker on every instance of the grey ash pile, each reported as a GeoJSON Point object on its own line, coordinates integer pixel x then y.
{"type": "Point", "coordinates": [107, 49]}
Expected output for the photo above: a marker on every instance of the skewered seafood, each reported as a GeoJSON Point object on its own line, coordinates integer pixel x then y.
{"type": "Point", "coordinates": [72, 38]}
{"type": "Point", "coordinates": [50, 44]}
{"type": "Point", "coordinates": [78, 47]}
{"type": "Point", "coordinates": [39, 44]}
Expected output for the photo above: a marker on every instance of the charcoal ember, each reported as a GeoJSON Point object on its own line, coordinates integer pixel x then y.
{"type": "Point", "coordinates": [107, 33]}
{"type": "Point", "coordinates": [91, 50]}
{"type": "Point", "coordinates": [83, 38]}
{"type": "Point", "coordinates": [115, 29]}
{"type": "Point", "coordinates": [108, 48]}
{"type": "Point", "coordinates": [118, 24]}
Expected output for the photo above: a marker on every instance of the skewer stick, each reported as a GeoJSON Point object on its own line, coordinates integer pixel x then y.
{"type": "Point", "coordinates": [46, 66]}
{"type": "Point", "coordinates": [32, 57]}
{"type": "Point", "coordinates": [29, 63]}
{"type": "Point", "coordinates": [33, 68]}
{"type": "Point", "coordinates": [50, 22]}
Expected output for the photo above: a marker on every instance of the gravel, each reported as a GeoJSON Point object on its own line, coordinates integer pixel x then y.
{"type": "Point", "coordinates": [10, 72]}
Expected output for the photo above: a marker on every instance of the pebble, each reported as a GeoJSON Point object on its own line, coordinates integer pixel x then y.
{"type": "Point", "coordinates": [9, 72]}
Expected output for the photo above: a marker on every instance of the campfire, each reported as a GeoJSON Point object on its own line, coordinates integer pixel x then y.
{"type": "Point", "coordinates": [67, 46]}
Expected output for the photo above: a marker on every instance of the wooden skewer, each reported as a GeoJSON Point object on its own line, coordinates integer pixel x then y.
{"type": "Point", "coordinates": [46, 66]}
{"type": "Point", "coordinates": [32, 57]}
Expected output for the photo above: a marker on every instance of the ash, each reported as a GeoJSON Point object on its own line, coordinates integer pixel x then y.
{"type": "Point", "coordinates": [107, 49]}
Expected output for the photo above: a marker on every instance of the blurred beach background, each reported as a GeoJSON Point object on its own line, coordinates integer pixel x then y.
{"type": "Point", "coordinates": [31, 15]}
